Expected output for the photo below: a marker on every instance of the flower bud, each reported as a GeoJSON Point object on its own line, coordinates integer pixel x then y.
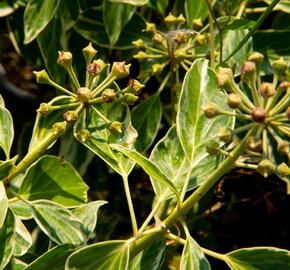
{"type": "Point", "coordinates": [279, 67]}
{"type": "Point", "coordinates": [197, 23]}
{"type": "Point", "coordinates": [83, 135]}
{"type": "Point", "coordinates": [150, 27]}
{"type": "Point", "coordinates": [234, 101]}
{"type": "Point", "coordinates": [59, 128]}
{"type": "Point", "coordinates": [201, 39]}
{"type": "Point", "coordinates": [267, 90]}
{"type": "Point", "coordinates": [265, 167]}
{"type": "Point", "coordinates": [64, 59]}
{"type": "Point", "coordinates": [225, 134]}
{"type": "Point", "coordinates": [158, 39]}
{"type": "Point", "coordinates": [283, 170]}
{"type": "Point", "coordinates": [248, 72]}
{"type": "Point", "coordinates": [129, 98]}
{"type": "Point", "coordinates": [283, 147]}
{"type": "Point", "coordinates": [181, 38]}
{"type": "Point", "coordinates": [109, 95]}
{"type": "Point", "coordinates": [89, 53]}
{"type": "Point", "coordinates": [44, 109]}
{"type": "Point", "coordinates": [254, 144]}
{"type": "Point", "coordinates": [42, 77]}
{"type": "Point", "coordinates": [212, 147]}
{"type": "Point", "coordinates": [170, 19]}
{"type": "Point", "coordinates": [135, 86]}
{"type": "Point", "coordinates": [180, 19]}
{"type": "Point", "coordinates": [211, 110]}
{"type": "Point", "coordinates": [284, 86]}
{"type": "Point", "coordinates": [141, 55]}
{"type": "Point", "coordinates": [71, 117]}
{"type": "Point", "coordinates": [288, 112]}
{"type": "Point", "coordinates": [116, 127]}
{"type": "Point", "coordinates": [84, 94]}
{"type": "Point", "coordinates": [120, 70]}
{"type": "Point", "coordinates": [258, 114]}
{"type": "Point", "coordinates": [157, 68]}
{"type": "Point", "coordinates": [96, 67]}
{"type": "Point", "coordinates": [225, 78]}
{"type": "Point", "coordinates": [256, 57]}
{"type": "Point", "coordinates": [139, 43]}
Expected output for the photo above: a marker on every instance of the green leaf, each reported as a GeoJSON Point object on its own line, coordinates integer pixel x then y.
{"type": "Point", "coordinates": [169, 156]}
{"type": "Point", "coordinates": [49, 43]}
{"type": "Point", "coordinates": [7, 239]}
{"type": "Point", "coordinates": [58, 223]}
{"type": "Point", "coordinates": [283, 5]}
{"type": "Point", "coordinates": [37, 15]}
{"type": "Point", "coordinates": [193, 257]}
{"type": "Point", "coordinates": [6, 131]}
{"type": "Point", "coordinates": [116, 16]}
{"type": "Point", "coordinates": [53, 259]}
{"type": "Point", "coordinates": [101, 137]}
{"type": "Point", "coordinates": [2, 102]}
{"type": "Point", "coordinates": [21, 209]}
{"type": "Point", "coordinates": [91, 27]}
{"type": "Point", "coordinates": [110, 255]}
{"type": "Point", "coordinates": [195, 10]}
{"type": "Point", "coordinates": [3, 204]}
{"type": "Point", "coordinates": [258, 258]}
{"type": "Point", "coordinates": [88, 214]}
{"type": "Point", "coordinates": [52, 178]}
{"type": "Point", "coordinates": [149, 167]}
{"type": "Point", "coordinates": [150, 258]}
{"type": "Point", "coordinates": [8, 7]}
{"type": "Point", "coordinates": [146, 118]}
{"type": "Point", "coordinates": [193, 128]}
{"type": "Point", "coordinates": [6, 166]}
{"type": "Point", "coordinates": [16, 264]}
{"type": "Point", "coordinates": [23, 239]}
{"type": "Point", "coordinates": [231, 39]}
{"type": "Point", "coordinates": [131, 2]}
{"type": "Point", "coordinates": [43, 125]}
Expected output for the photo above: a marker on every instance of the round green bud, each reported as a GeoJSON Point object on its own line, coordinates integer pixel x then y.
{"type": "Point", "coordinates": [109, 95]}
{"type": "Point", "coordinates": [256, 57]}
{"type": "Point", "coordinates": [234, 101]}
{"type": "Point", "coordinates": [211, 110]}
{"type": "Point", "coordinates": [181, 38]}
{"type": "Point", "coordinates": [116, 127]}
{"type": "Point", "coordinates": [284, 86]}
{"type": "Point", "coordinates": [44, 109]}
{"type": "Point", "coordinates": [279, 67]}
{"type": "Point", "coordinates": [283, 170]}
{"type": "Point", "coordinates": [258, 114]}
{"type": "Point", "coordinates": [89, 53]}
{"type": "Point", "coordinates": [197, 23]}
{"type": "Point", "coordinates": [248, 72]}
{"type": "Point", "coordinates": [139, 43]}
{"type": "Point", "coordinates": [200, 39]}
{"type": "Point", "coordinates": [158, 39]}
{"type": "Point", "coordinates": [83, 135]}
{"type": "Point", "coordinates": [265, 167]}
{"type": "Point", "coordinates": [120, 70]}
{"type": "Point", "coordinates": [225, 78]}
{"type": "Point", "coordinates": [59, 128]}
{"type": "Point", "coordinates": [130, 99]}
{"type": "Point", "coordinates": [84, 94]}
{"type": "Point", "coordinates": [64, 59]}
{"type": "Point", "coordinates": [150, 27]}
{"type": "Point", "coordinates": [212, 147]}
{"type": "Point", "coordinates": [266, 90]}
{"type": "Point", "coordinates": [42, 77]}
{"type": "Point", "coordinates": [141, 55]}
{"type": "Point", "coordinates": [71, 117]}
{"type": "Point", "coordinates": [157, 68]}
{"type": "Point", "coordinates": [225, 134]}
{"type": "Point", "coordinates": [283, 147]}
{"type": "Point", "coordinates": [136, 86]}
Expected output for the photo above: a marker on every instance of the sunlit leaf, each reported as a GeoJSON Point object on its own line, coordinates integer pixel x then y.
{"type": "Point", "coordinates": [258, 258]}
{"type": "Point", "coordinates": [6, 131]}
{"type": "Point", "coordinates": [37, 17]}
{"type": "Point", "coordinates": [58, 223]}
{"type": "Point", "coordinates": [195, 10]}
{"type": "Point", "coordinates": [3, 204]}
{"type": "Point", "coordinates": [110, 255]}
{"type": "Point", "coordinates": [53, 259]}
{"type": "Point", "coordinates": [131, 2]}
{"type": "Point", "coordinates": [23, 239]}
{"type": "Point", "coordinates": [54, 179]}
{"type": "Point", "coordinates": [6, 166]}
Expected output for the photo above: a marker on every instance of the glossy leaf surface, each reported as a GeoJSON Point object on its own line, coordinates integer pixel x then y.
{"type": "Point", "coordinates": [146, 118]}
{"type": "Point", "coordinates": [58, 223]}
{"type": "Point", "coordinates": [23, 239]}
{"type": "Point", "coordinates": [111, 255]}
{"type": "Point", "coordinates": [52, 178]}
{"type": "Point", "coordinates": [131, 2]}
{"type": "Point", "coordinates": [7, 131]}
{"type": "Point", "coordinates": [258, 258]}
{"type": "Point", "coordinates": [37, 17]}
{"type": "Point", "coordinates": [3, 204]}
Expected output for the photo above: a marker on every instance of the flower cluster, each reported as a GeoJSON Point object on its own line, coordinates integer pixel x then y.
{"type": "Point", "coordinates": [262, 106]}
{"type": "Point", "coordinates": [174, 48]}
{"type": "Point", "coordinates": [100, 87]}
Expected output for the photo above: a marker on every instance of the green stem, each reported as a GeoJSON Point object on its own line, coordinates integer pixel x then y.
{"type": "Point", "coordinates": [282, 104]}
{"type": "Point", "coordinates": [130, 204]}
{"type": "Point", "coordinates": [229, 163]}
{"type": "Point", "coordinates": [73, 77]}
{"type": "Point", "coordinates": [253, 30]}
{"type": "Point", "coordinates": [163, 84]}
{"type": "Point", "coordinates": [31, 156]}
{"type": "Point", "coordinates": [211, 42]}
{"type": "Point", "coordinates": [62, 89]}
{"type": "Point", "coordinates": [245, 165]}
{"type": "Point", "coordinates": [150, 216]}
{"type": "Point", "coordinates": [105, 83]}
